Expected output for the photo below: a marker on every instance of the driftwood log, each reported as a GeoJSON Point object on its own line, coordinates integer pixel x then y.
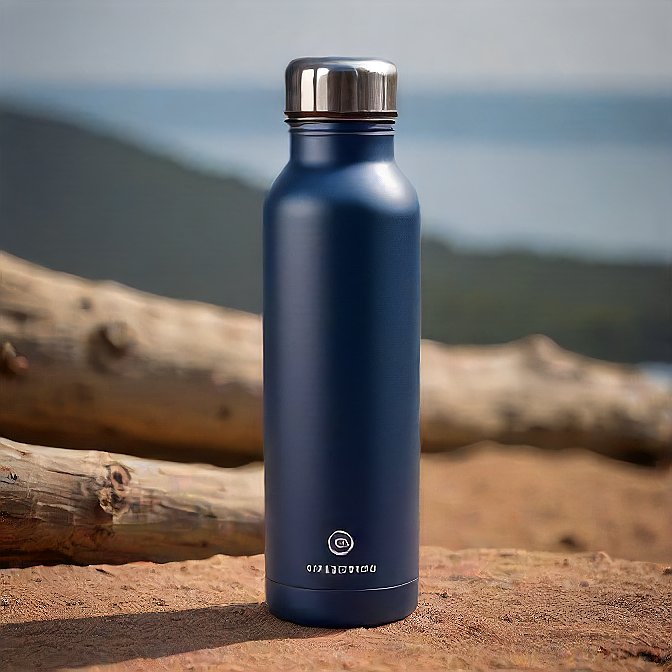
{"type": "Point", "coordinates": [73, 506]}
{"type": "Point", "coordinates": [87, 363]}
{"type": "Point", "coordinates": [68, 505]}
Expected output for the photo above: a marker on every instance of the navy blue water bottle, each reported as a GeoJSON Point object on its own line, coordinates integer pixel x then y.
{"type": "Point", "coordinates": [341, 354]}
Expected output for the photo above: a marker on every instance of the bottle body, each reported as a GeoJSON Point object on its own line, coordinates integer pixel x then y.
{"type": "Point", "coordinates": [341, 379]}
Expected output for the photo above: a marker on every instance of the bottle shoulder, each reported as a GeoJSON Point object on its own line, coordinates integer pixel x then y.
{"type": "Point", "coordinates": [370, 185]}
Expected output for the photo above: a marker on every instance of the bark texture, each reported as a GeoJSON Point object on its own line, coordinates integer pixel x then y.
{"type": "Point", "coordinates": [55, 505]}
{"type": "Point", "coordinates": [60, 505]}
{"type": "Point", "coordinates": [95, 364]}
{"type": "Point", "coordinates": [87, 363]}
{"type": "Point", "coordinates": [479, 610]}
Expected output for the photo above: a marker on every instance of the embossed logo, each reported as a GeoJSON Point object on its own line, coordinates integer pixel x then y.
{"type": "Point", "coordinates": [340, 542]}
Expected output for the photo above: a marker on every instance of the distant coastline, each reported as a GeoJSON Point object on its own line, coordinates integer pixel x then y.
{"type": "Point", "coordinates": [580, 173]}
{"type": "Point", "coordinates": [88, 203]}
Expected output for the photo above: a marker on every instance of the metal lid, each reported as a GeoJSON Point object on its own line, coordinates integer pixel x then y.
{"type": "Point", "coordinates": [336, 86]}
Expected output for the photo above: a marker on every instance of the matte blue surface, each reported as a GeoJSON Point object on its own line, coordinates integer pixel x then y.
{"type": "Point", "coordinates": [341, 374]}
{"type": "Point", "coordinates": [342, 608]}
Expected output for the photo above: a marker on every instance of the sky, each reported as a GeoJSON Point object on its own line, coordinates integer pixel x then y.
{"type": "Point", "coordinates": [575, 44]}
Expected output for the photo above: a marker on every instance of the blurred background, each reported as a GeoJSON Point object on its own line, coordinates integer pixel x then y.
{"type": "Point", "coordinates": [137, 140]}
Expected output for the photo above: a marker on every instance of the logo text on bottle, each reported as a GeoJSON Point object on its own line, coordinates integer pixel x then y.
{"type": "Point", "coordinates": [340, 542]}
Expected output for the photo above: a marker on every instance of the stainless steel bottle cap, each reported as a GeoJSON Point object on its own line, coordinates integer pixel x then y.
{"type": "Point", "coordinates": [338, 87]}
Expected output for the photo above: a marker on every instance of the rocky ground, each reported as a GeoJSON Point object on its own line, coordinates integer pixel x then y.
{"type": "Point", "coordinates": [478, 610]}
{"type": "Point", "coordinates": [575, 608]}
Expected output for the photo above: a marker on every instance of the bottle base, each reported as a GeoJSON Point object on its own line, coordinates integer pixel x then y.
{"type": "Point", "coordinates": [341, 608]}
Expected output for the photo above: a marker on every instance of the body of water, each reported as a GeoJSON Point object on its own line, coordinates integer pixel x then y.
{"type": "Point", "coordinates": [581, 173]}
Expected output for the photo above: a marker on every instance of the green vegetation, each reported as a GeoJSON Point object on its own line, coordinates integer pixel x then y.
{"type": "Point", "coordinates": [617, 311]}
{"type": "Point", "coordinates": [82, 202]}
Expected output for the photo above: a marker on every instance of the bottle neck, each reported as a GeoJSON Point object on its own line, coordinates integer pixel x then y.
{"type": "Point", "coordinates": [323, 143]}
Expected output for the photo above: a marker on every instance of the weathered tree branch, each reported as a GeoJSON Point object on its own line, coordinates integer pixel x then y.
{"type": "Point", "coordinates": [83, 507]}
{"type": "Point", "coordinates": [534, 392]}
{"type": "Point", "coordinates": [97, 364]}
{"type": "Point", "coordinates": [87, 363]}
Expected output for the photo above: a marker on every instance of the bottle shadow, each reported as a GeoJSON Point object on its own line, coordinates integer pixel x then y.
{"type": "Point", "coordinates": [96, 640]}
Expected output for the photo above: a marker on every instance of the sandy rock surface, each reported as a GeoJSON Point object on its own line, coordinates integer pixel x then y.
{"type": "Point", "coordinates": [565, 501]}
{"type": "Point", "coordinates": [478, 610]}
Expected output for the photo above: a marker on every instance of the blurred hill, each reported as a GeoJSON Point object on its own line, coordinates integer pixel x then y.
{"type": "Point", "coordinates": [82, 202]}
{"type": "Point", "coordinates": [88, 204]}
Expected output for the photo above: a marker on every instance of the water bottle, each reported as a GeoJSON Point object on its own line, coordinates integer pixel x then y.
{"type": "Point", "coordinates": [341, 354]}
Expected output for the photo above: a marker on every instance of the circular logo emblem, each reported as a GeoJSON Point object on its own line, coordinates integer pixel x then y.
{"type": "Point", "coordinates": [340, 542]}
